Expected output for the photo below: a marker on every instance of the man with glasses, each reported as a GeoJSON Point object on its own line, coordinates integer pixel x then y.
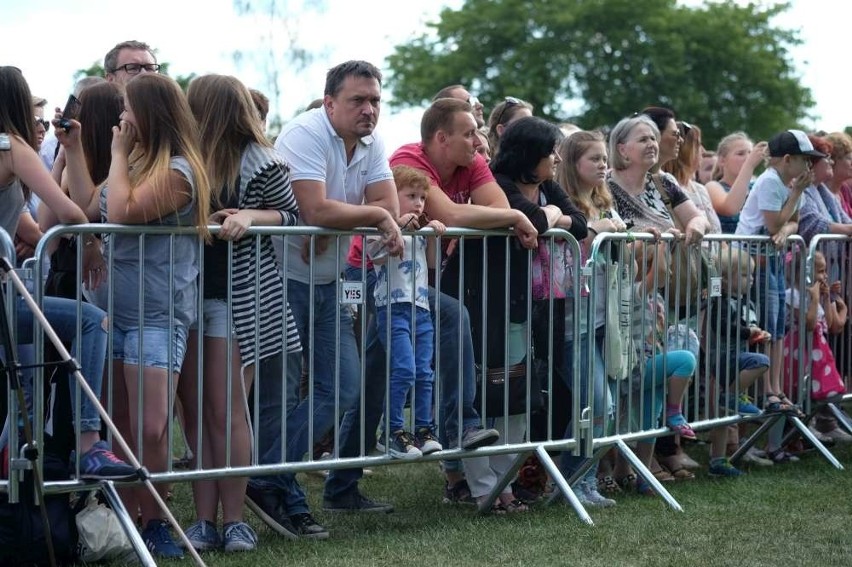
{"type": "Point", "coordinates": [461, 93]}
{"type": "Point", "coordinates": [128, 59]}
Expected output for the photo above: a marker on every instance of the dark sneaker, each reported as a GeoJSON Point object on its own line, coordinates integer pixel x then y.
{"type": "Point", "coordinates": [268, 506]}
{"type": "Point", "coordinates": [355, 502]}
{"type": "Point", "coordinates": [99, 463]}
{"type": "Point", "coordinates": [475, 437]}
{"type": "Point", "coordinates": [459, 493]}
{"type": "Point", "coordinates": [402, 446]}
{"type": "Point", "coordinates": [159, 541]}
{"type": "Point", "coordinates": [425, 440]}
{"type": "Point", "coordinates": [238, 536]}
{"type": "Point", "coordinates": [203, 536]}
{"type": "Point", "coordinates": [722, 468]}
{"type": "Point", "coordinates": [307, 527]}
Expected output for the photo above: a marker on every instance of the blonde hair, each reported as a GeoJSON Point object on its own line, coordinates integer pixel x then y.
{"type": "Point", "coordinates": [723, 150]}
{"type": "Point", "coordinates": [570, 150]}
{"type": "Point", "coordinates": [166, 129]}
{"type": "Point", "coordinates": [227, 121]}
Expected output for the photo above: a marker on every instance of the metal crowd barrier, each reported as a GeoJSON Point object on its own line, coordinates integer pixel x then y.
{"type": "Point", "coordinates": [584, 297]}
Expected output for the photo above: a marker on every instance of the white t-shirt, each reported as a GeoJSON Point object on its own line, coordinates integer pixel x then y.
{"type": "Point", "coordinates": [768, 194]}
{"type": "Point", "coordinates": [405, 277]}
{"type": "Point", "coordinates": [315, 152]}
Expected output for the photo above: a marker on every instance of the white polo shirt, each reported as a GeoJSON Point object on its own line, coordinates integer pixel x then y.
{"type": "Point", "coordinates": [315, 152]}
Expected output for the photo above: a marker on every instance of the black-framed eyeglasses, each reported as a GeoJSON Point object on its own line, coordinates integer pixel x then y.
{"type": "Point", "coordinates": [45, 124]}
{"type": "Point", "coordinates": [507, 102]}
{"type": "Point", "coordinates": [136, 68]}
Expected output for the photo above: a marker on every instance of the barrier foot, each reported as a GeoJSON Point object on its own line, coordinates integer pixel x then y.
{"type": "Point", "coordinates": [807, 434]}
{"type": "Point", "coordinates": [646, 474]}
{"type": "Point", "coordinates": [752, 439]}
{"type": "Point", "coordinates": [562, 484]}
{"type": "Point", "coordinates": [128, 524]}
{"type": "Point", "coordinates": [503, 481]}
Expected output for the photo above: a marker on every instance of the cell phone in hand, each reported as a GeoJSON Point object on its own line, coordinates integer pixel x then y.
{"type": "Point", "coordinates": [71, 110]}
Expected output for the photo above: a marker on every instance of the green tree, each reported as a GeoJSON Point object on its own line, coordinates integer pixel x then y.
{"type": "Point", "coordinates": [723, 66]}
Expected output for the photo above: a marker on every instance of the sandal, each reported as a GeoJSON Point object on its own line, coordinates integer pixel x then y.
{"type": "Point", "coordinates": [498, 509]}
{"type": "Point", "coordinates": [660, 472]}
{"type": "Point", "coordinates": [675, 468]}
{"type": "Point", "coordinates": [643, 488]}
{"type": "Point", "coordinates": [608, 485]}
{"type": "Point", "coordinates": [795, 409]}
{"type": "Point", "coordinates": [627, 482]}
{"type": "Point", "coordinates": [781, 457]}
{"type": "Point", "coordinates": [515, 506]}
{"type": "Point", "coordinates": [677, 424]}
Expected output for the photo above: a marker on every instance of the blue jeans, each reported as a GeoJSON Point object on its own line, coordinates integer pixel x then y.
{"type": "Point", "coordinates": [455, 349]}
{"type": "Point", "coordinates": [328, 346]}
{"type": "Point", "coordinates": [411, 363]}
{"type": "Point", "coordinates": [275, 393]}
{"type": "Point", "coordinates": [601, 387]}
{"type": "Point", "coordinates": [89, 351]}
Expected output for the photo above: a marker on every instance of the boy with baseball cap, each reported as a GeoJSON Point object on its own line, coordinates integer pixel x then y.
{"type": "Point", "coordinates": [772, 209]}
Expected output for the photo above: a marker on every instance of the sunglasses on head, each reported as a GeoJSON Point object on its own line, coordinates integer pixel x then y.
{"type": "Point", "coordinates": [507, 102]}
{"type": "Point", "coordinates": [684, 128]}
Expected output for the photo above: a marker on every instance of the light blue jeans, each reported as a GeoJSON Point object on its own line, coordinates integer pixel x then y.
{"type": "Point", "coordinates": [89, 351]}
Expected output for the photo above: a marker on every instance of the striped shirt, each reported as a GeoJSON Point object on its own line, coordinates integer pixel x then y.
{"type": "Point", "coordinates": [264, 184]}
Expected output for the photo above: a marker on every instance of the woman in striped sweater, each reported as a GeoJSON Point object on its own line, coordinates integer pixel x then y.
{"type": "Point", "coordinates": [251, 186]}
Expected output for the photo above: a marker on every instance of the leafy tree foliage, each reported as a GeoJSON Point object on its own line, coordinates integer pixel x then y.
{"type": "Point", "coordinates": [721, 65]}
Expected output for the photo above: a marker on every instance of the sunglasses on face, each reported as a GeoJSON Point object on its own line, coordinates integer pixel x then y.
{"type": "Point", "coordinates": [44, 123]}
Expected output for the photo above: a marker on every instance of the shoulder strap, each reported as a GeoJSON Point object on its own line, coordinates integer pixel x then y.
{"type": "Point", "coordinates": [664, 193]}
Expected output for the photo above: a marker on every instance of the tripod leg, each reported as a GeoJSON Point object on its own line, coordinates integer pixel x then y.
{"type": "Point", "coordinates": [87, 391]}
{"type": "Point", "coordinates": [11, 369]}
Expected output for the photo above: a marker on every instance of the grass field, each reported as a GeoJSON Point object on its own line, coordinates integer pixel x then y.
{"type": "Point", "coordinates": [795, 514]}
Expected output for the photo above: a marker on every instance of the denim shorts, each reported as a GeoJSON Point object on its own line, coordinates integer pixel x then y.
{"type": "Point", "coordinates": [215, 318]}
{"type": "Point", "coordinates": [745, 360]}
{"type": "Point", "coordinates": [155, 345]}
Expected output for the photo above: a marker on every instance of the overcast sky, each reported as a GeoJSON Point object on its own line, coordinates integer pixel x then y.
{"type": "Point", "coordinates": [50, 39]}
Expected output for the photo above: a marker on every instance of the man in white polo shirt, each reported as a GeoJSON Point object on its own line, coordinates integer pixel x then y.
{"type": "Point", "coordinates": [342, 180]}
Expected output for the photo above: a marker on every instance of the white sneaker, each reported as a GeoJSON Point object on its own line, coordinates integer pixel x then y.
{"type": "Point", "coordinates": [753, 456]}
{"type": "Point", "coordinates": [426, 441]}
{"type": "Point", "coordinates": [589, 496]}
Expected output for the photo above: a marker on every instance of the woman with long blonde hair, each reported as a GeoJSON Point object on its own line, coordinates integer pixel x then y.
{"type": "Point", "coordinates": [156, 178]}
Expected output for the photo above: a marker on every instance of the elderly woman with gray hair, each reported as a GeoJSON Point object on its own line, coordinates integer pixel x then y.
{"type": "Point", "coordinates": [653, 203]}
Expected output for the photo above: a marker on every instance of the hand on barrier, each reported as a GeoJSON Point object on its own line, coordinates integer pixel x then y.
{"type": "Point", "coordinates": [525, 231]}
{"type": "Point", "coordinates": [234, 223]}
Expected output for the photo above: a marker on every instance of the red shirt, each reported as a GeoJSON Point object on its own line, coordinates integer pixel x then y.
{"type": "Point", "coordinates": [464, 180]}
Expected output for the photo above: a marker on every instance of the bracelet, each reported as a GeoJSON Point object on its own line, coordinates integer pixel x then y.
{"type": "Point", "coordinates": [591, 229]}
